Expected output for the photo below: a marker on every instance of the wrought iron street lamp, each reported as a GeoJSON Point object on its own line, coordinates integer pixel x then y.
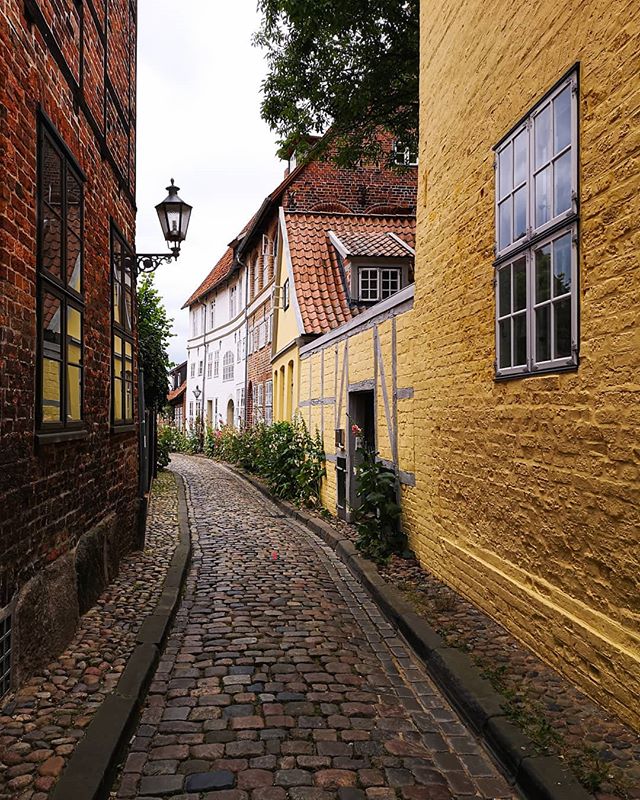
{"type": "Point", "coordinates": [197, 392]}
{"type": "Point", "coordinates": [174, 215]}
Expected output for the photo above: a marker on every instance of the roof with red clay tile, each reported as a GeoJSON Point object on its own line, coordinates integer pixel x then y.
{"type": "Point", "coordinates": [174, 394]}
{"type": "Point", "coordinates": [318, 274]}
{"type": "Point", "coordinates": [222, 270]}
{"type": "Point", "coordinates": [374, 245]}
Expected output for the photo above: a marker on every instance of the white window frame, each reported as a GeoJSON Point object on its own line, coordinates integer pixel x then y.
{"type": "Point", "coordinates": [228, 366]}
{"type": "Point", "coordinates": [378, 272]}
{"type": "Point", "coordinates": [232, 302]}
{"type": "Point", "coordinates": [403, 156]}
{"type": "Point", "coordinates": [216, 363]}
{"type": "Point", "coordinates": [268, 402]}
{"type": "Point", "coordinates": [238, 349]}
{"type": "Point", "coordinates": [209, 364]}
{"type": "Point", "coordinates": [256, 277]}
{"type": "Point", "coordinates": [200, 367]}
{"type": "Point", "coordinates": [212, 314]}
{"type": "Point", "coordinates": [536, 237]}
{"type": "Point", "coordinates": [193, 369]}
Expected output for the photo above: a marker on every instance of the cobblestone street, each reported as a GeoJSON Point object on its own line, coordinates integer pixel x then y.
{"type": "Point", "coordinates": [281, 679]}
{"type": "Point", "coordinates": [41, 724]}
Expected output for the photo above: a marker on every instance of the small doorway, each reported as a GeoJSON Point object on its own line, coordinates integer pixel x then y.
{"type": "Point", "coordinates": [362, 414]}
{"type": "Point", "coordinates": [230, 413]}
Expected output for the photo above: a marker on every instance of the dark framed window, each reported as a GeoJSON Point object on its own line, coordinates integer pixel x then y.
{"type": "Point", "coordinates": [60, 251]}
{"type": "Point", "coordinates": [122, 310]}
{"type": "Point", "coordinates": [285, 295]}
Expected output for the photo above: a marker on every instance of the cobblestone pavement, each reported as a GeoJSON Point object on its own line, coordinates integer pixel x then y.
{"type": "Point", "coordinates": [41, 724]}
{"type": "Point", "coordinates": [597, 746]}
{"type": "Point", "coordinates": [282, 680]}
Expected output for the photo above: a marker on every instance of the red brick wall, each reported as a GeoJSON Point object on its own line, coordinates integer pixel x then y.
{"type": "Point", "coordinates": [51, 494]}
{"type": "Point", "coordinates": [367, 189]}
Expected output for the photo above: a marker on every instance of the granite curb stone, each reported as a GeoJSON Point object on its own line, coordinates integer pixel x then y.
{"type": "Point", "coordinates": [538, 777]}
{"type": "Point", "coordinates": [87, 775]}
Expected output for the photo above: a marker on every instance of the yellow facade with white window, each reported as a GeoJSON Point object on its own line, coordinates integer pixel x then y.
{"type": "Point", "coordinates": [527, 467]}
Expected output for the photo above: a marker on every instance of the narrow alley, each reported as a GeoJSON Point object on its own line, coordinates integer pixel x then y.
{"type": "Point", "coordinates": [281, 679]}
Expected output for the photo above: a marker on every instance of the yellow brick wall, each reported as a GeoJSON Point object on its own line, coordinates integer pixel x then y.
{"type": "Point", "coordinates": [361, 367]}
{"type": "Point", "coordinates": [528, 491]}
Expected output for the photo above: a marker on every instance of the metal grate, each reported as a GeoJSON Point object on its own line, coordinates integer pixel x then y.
{"type": "Point", "coordinates": [5, 651]}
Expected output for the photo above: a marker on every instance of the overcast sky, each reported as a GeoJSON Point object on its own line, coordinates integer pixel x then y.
{"type": "Point", "coordinates": [199, 123]}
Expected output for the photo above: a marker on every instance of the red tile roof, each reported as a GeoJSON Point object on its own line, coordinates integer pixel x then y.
{"type": "Point", "coordinates": [374, 245]}
{"type": "Point", "coordinates": [222, 270]}
{"type": "Point", "coordinates": [174, 394]}
{"type": "Point", "coordinates": [317, 273]}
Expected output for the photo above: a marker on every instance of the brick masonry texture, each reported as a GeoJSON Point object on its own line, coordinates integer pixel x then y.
{"type": "Point", "coordinates": [281, 679]}
{"type": "Point", "coordinates": [52, 494]}
{"type": "Point", "coordinates": [527, 496]}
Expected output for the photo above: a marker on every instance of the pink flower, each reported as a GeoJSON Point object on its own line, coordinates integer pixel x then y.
{"type": "Point", "coordinates": [356, 430]}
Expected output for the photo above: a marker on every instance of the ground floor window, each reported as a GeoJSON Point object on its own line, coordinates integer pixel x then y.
{"type": "Point", "coordinates": [268, 402]}
{"type": "Point", "coordinates": [5, 650]}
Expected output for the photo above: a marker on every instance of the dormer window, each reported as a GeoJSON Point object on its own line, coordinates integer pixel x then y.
{"type": "Point", "coordinates": [378, 283]}
{"type": "Point", "coordinates": [404, 155]}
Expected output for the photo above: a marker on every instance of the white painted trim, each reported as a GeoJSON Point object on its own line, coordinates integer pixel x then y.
{"type": "Point", "coordinates": [292, 285]}
{"type": "Point", "coordinates": [383, 307]}
{"type": "Point", "coordinates": [401, 242]}
{"type": "Point", "coordinates": [335, 241]}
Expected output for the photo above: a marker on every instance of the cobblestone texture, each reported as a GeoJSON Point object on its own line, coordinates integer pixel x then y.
{"type": "Point", "coordinates": [41, 724]}
{"type": "Point", "coordinates": [557, 715]}
{"type": "Point", "coordinates": [600, 749]}
{"type": "Point", "coordinates": [281, 679]}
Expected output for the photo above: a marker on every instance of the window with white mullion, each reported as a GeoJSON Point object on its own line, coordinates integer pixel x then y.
{"type": "Point", "coordinates": [512, 207]}
{"type": "Point", "coordinates": [511, 315]}
{"type": "Point", "coordinates": [554, 314]}
{"type": "Point", "coordinates": [537, 238]}
{"type": "Point", "coordinates": [536, 170]}
{"type": "Point", "coordinates": [553, 144]}
{"type": "Point", "coordinates": [369, 290]}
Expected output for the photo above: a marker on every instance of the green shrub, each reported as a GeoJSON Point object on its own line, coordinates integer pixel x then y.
{"type": "Point", "coordinates": [378, 514]}
{"type": "Point", "coordinates": [290, 460]}
{"type": "Point", "coordinates": [172, 440]}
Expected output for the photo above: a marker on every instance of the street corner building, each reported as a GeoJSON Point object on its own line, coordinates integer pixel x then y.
{"type": "Point", "coordinates": [525, 341]}
{"type": "Point", "coordinates": [69, 507]}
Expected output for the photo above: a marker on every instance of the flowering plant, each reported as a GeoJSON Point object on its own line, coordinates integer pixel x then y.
{"type": "Point", "coordinates": [356, 430]}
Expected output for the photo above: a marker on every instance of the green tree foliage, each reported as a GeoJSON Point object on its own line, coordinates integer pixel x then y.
{"type": "Point", "coordinates": [154, 333]}
{"type": "Point", "coordinates": [346, 66]}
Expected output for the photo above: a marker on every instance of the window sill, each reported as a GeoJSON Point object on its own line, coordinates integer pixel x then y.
{"type": "Point", "coordinates": [129, 428]}
{"type": "Point", "coordinates": [538, 373]}
{"type": "Point", "coordinates": [56, 437]}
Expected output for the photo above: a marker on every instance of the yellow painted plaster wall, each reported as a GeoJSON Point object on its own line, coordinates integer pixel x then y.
{"type": "Point", "coordinates": [528, 493]}
{"type": "Point", "coordinates": [285, 361]}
